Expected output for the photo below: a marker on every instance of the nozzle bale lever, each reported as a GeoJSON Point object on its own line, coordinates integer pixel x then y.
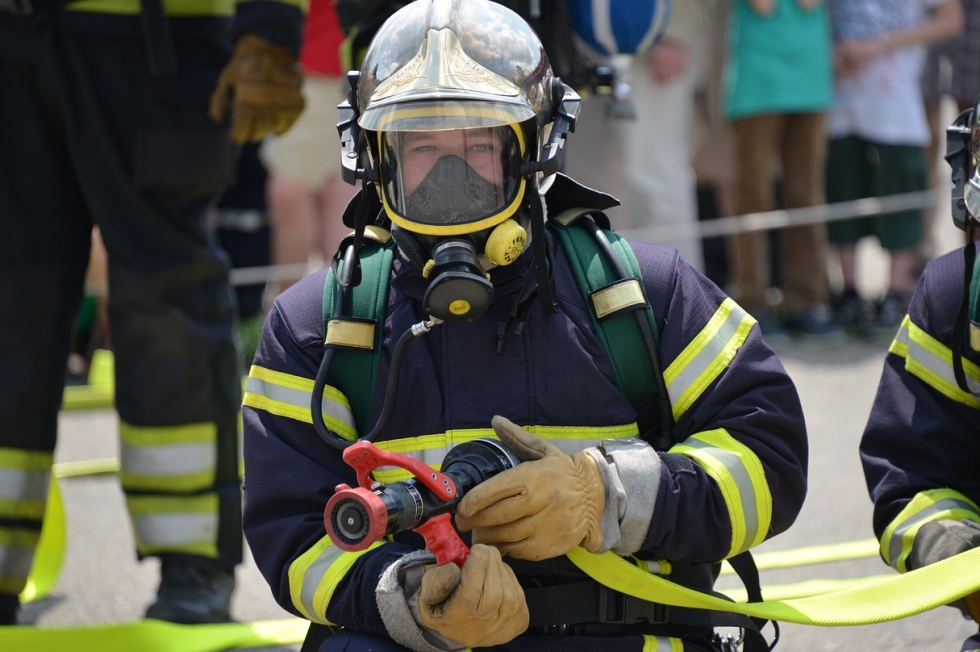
{"type": "Point", "coordinates": [357, 517]}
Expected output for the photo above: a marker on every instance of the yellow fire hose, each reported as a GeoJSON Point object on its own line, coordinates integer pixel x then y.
{"type": "Point", "coordinates": [828, 603]}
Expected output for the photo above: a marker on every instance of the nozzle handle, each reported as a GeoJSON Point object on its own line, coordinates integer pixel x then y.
{"type": "Point", "coordinates": [364, 457]}
{"type": "Point", "coordinates": [441, 538]}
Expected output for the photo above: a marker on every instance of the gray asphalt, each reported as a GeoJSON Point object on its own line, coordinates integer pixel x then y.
{"type": "Point", "coordinates": [102, 583]}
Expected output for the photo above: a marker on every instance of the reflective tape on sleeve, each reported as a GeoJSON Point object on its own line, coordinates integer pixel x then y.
{"type": "Point", "coordinates": [741, 479]}
{"type": "Point", "coordinates": [315, 574]}
{"type": "Point", "coordinates": [289, 396]}
{"type": "Point", "coordinates": [707, 355]}
{"type": "Point", "coordinates": [931, 361]}
{"type": "Point", "coordinates": [926, 506]}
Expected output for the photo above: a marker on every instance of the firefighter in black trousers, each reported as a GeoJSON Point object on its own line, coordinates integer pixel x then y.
{"type": "Point", "coordinates": [104, 119]}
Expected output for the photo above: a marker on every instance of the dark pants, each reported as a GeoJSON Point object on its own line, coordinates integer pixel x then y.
{"type": "Point", "coordinates": [88, 135]}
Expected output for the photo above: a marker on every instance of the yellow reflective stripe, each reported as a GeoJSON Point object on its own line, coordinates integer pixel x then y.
{"type": "Point", "coordinates": [314, 575]}
{"type": "Point", "coordinates": [170, 7]}
{"type": "Point", "coordinates": [662, 644]}
{"type": "Point", "coordinates": [185, 524]}
{"type": "Point", "coordinates": [289, 396]}
{"type": "Point", "coordinates": [930, 361]}
{"type": "Point", "coordinates": [168, 458]}
{"type": "Point", "coordinates": [431, 449]}
{"type": "Point", "coordinates": [24, 480]}
{"type": "Point", "coordinates": [16, 555]}
{"type": "Point", "coordinates": [742, 481]}
{"type": "Point", "coordinates": [707, 355]}
{"type": "Point", "coordinates": [926, 506]}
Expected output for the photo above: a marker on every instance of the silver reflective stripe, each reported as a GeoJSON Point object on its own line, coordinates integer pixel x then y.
{"type": "Point", "coordinates": [913, 522]}
{"type": "Point", "coordinates": [15, 562]}
{"type": "Point", "coordinates": [168, 460]}
{"type": "Point", "coordinates": [739, 474]}
{"type": "Point", "coordinates": [23, 493]}
{"type": "Point", "coordinates": [298, 398]}
{"type": "Point", "coordinates": [175, 530]}
{"type": "Point", "coordinates": [314, 575]}
{"type": "Point", "coordinates": [707, 355]}
{"type": "Point", "coordinates": [932, 362]}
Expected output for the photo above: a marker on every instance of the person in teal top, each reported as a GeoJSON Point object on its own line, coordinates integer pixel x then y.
{"type": "Point", "coordinates": [778, 84]}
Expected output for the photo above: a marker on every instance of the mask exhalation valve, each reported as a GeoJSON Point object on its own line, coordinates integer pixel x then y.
{"type": "Point", "coordinates": [459, 289]}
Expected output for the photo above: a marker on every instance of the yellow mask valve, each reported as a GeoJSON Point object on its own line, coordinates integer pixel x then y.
{"type": "Point", "coordinates": [428, 268]}
{"type": "Point", "coordinates": [460, 307]}
{"type": "Point", "coordinates": [506, 243]}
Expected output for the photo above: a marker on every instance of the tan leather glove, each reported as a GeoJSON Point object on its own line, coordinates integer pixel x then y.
{"type": "Point", "coordinates": [261, 88]}
{"type": "Point", "coordinates": [480, 605]}
{"type": "Point", "coordinates": [543, 508]}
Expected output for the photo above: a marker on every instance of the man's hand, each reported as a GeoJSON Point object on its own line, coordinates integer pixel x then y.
{"type": "Point", "coordinates": [543, 508]}
{"type": "Point", "coordinates": [479, 605]}
{"type": "Point", "coordinates": [260, 87]}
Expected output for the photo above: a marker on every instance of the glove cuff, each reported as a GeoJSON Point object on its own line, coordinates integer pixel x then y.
{"type": "Point", "coordinates": [630, 470]}
{"type": "Point", "coordinates": [397, 596]}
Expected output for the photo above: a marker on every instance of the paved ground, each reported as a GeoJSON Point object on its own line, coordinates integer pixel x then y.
{"type": "Point", "coordinates": [102, 583]}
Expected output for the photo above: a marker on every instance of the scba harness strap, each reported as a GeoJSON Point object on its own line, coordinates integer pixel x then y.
{"type": "Point", "coordinates": [608, 275]}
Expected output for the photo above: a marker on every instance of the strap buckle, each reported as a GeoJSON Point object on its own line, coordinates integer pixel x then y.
{"type": "Point", "coordinates": [621, 609]}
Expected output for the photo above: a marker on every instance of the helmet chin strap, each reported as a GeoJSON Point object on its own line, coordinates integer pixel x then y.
{"type": "Point", "coordinates": [960, 329]}
{"type": "Point", "coordinates": [543, 263]}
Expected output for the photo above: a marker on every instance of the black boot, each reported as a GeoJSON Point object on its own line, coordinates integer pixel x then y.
{"type": "Point", "coordinates": [193, 590]}
{"type": "Point", "coordinates": [9, 604]}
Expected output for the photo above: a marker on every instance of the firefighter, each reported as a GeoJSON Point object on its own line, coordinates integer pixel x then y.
{"type": "Point", "coordinates": [920, 449]}
{"type": "Point", "coordinates": [460, 116]}
{"type": "Point", "coordinates": [104, 119]}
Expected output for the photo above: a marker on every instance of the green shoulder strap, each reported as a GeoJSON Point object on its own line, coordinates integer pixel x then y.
{"type": "Point", "coordinates": [611, 300]}
{"type": "Point", "coordinates": [357, 333]}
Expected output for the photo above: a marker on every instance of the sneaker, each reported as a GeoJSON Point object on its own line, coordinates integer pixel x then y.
{"type": "Point", "coordinates": [888, 316]}
{"type": "Point", "coordinates": [851, 312]}
{"type": "Point", "coordinates": [816, 322]}
{"type": "Point", "coordinates": [193, 590]}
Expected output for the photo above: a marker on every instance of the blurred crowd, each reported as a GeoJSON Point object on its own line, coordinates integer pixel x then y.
{"type": "Point", "coordinates": [744, 106]}
{"type": "Point", "coordinates": [788, 104]}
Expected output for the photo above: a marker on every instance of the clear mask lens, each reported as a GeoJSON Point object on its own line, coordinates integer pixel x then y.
{"type": "Point", "coordinates": [451, 178]}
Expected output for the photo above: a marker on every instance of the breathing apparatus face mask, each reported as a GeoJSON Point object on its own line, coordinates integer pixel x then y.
{"type": "Point", "coordinates": [453, 197]}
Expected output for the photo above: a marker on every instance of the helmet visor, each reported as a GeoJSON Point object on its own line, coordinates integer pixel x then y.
{"type": "Point", "coordinates": [452, 181]}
